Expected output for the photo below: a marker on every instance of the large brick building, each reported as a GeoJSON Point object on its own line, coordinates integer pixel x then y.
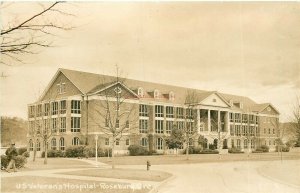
{"type": "Point", "coordinates": [69, 107]}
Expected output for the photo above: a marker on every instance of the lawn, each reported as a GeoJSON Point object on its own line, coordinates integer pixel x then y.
{"type": "Point", "coordinates": [53, 185]}
{"type": "Point", "coordinates": [131, 174]}
{"type": "Point", "coordinates": [197, 158]}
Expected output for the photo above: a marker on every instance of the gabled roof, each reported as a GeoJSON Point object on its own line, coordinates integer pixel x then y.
{"type": "Point", "coordinates": [261, 107]}
{"type": "Point", "coordinates": [89, 83]}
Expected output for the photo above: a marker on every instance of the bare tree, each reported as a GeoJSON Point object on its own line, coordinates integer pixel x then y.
{"type": "Point", "coordinates": [115, 114]}
{"type": "Point", "coordinates": [19, 38]}
{"type": "Point", "coordinates": [295, 119]}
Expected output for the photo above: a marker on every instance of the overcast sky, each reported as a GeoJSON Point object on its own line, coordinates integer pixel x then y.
{"type": "Point", "coordinates": [250, 49]}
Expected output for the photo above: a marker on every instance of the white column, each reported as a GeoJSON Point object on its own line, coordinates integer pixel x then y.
{"type": "Point", "coordinates": [219, 121]}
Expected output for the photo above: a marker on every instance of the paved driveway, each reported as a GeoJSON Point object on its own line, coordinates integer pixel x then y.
{"type": "Point", "coordinates": [228, 177]}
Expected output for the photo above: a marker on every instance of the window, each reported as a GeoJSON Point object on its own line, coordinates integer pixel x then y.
{"type": "Point", "coordinates": [252, 144]}
{"type": "Point", "coordinates": [63, 107]}
{"type": "Point", "coordinates": [54, 124]}
{"type": "Point", "coordinates": [31, 111]}
{"type": "Point", "coordinates": [117, 123]}
{"type": "Point", "coordinates": [270, 142]}
{"type": "Point", "coordinates": [75, 124]}
{"type": "Point", "coordinates": [46, 109]}
{"type": "Point", "coordinates": [244, 118]}
{"type": "Point", "coordinates": [232, 130]}
{"type": "Point", "coordinates": [189, 127]}
{"type": "Point", "coordinates": [62, 124]}
{"type": "Point", "coordinates": [30, 145]}
{"type": "Point", "coordinates": [127, 142]}
{"type": "Point", "coordinates": [61, 88]}
{"type": "Point", "coordinates": [232, 143]}
{"type": "Point", "coordinates": [273, 130]}
{"type": "Point", "coordinates": [179, 112]}
{"type": "Point", "coordinates": [141, 92]}
{"type": "Point", "coordinates": [180, 124]}
{"type": "Point", "coordinates": [54, 106]}
{"type": "Point", "coordinates": [75, 107]}
{"type": "Point", "coordinates": [159, 111]}
{"type": "Point", "coordinates": [46, 124]}
{"type": "Point", "coordinates": [156, 94]}
{"type": "Point", "coordinates": [127, 124]}
{"type": "Point", "coordinates": [144, 142]}
{"type": "Point", "coordinates": [143, 126]}
{"type": "Point", "coordinates": [170, 112]}
{"type": "Point", "coordinates": [269, 131]}
{"type": "Point", "coordinates": [171, 96]}
{"type": "Point", "coordinates": [189, 113]}
{"type": "Point", "coordinates": [159, 126]}
{"type": "Point", "coordinates": [159, 143]}
{"type": "Point", "coordinates": [62, 144]}
{"type": "Point", "coordinates": [191, 142]}
{"type": "Point", "coordinates": [39, 110]}
{"type": "Point", "coordinates": [237, 117]}
{"type": "Point", "coordinates": [169, 127]}
{"type": "Point", "coordinates": [245, 143]}
{"type": "Point", "coordinates": [214, 100]}
{"type": "Point", "coordinates": [53, 144]}
{"type": "Point", "coordinates": [38, 145]}
{"type": "Point", "coordinates": [143, 111]}
{"type": "Point", "coordinates": [238, 143]}
{"type": "Point", "coordinates": [117, 141]}
{"type": "Point", "coordinates": [75, 141]}
{"type": "Point", "coordinates": [252, 121]}
{"type": "Point", "coordinates": [202, 125]}
{"type": "Point", "coordinates": [106, 141]}
{"type": "Point", "coordinates": [231, 116]}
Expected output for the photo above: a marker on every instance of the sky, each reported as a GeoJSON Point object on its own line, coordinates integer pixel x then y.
{"type": "Point", "coordinates": [250, 49]}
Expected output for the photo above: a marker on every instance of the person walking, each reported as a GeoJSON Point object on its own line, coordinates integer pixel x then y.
{"type": "Point", "coordinates": [11, 153]}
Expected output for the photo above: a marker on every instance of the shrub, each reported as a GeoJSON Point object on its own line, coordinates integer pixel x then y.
{"type": "Point", "coordinates": [211, 147]}
{"type": "Point", "coordinates": [137, 150]}
{"type": "Point", "coordinates": [26, 154]}
{"type": "Point", "coordinates": [21, 150]}
{"type": "Point", "coordinates": [262, 148]}
{"type": "Point", "coordinates": [235, 150]}
{"type": "Point", "coordinates": [20, 161]}
{"type": "Point", "coordinates": [194, 150]}
{"type": "Point", "coordinates": [209, 151]}
{"type": "Point", "coordinates": [75, 151]}
{"type": "Point", "coordinates": [54, 153]}
{"type": "Point", "coordinates": [283, 149]}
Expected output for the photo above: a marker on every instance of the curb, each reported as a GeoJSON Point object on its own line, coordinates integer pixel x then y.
{"type": "Point", "coordinates": [156, 188]}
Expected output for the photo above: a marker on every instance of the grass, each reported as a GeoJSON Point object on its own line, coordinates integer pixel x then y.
{"type": "Point", "coordinates": [197, 158]}
{"type": "Point", "coordinates": [131, 174]}
{"type": "Point", "coordinates": [53, 163]}
{"type": "Point", "coordinates": [53, 185]}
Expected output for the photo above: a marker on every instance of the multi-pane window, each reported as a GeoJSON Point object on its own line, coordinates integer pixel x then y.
{"type": "Point", "coordinates": [53, 144]}
{"type": "Point", "coordinates": [273, 131]}
{"type": "Point", "coordinates": [127, 124]}
{"type": "Point", "coordinates": [238, 130]}
{"type": "Point", "coordinates": [159, 143]}
{"type": "Point", "coordinates": [127, 142]}
{"type": "Point", "coordinates": [63, 107]}
{"type": "Point", "coordinates": [30, 145]}
{"type": "Point", "coordinates": [256, 119]}
{"type": "Point", "coordinates": [143, 126]}
{"type": "Point", "coordinates": [189, 113]}
{"type": "Point", "coordinates": [106, 141]}
{"type": "Point", "coordinates": [75, 106]}
{"type": "Point", "coordinates": [202, 125]}
{"type": "Point", "coordinates": [245, 118]}
{"type": "Point", "coordinates": [237, 117]}
{"type": "Point", "coordinates": [231, 117]}
{"type": "Point", "coordinates": [159, 111]}
{"type": "Point", "coordinates": [39, 110]}
{"type": "Point", "coordinates": [245, 143]}
{"type": "Point", "coordinates": [75, 124]}
{"type": "Point", "coordinates": [232, 130]}
{"type": "Point", "coordinates": [62, 144]}
{"type": "Point", "coordinates": [269, 131]}
{"type": "Point", "coordinates": [179, 112]}
{"type": "Point", "coordinates": [232, 142]}
{"type": "Point", "coordinates": [46, 124]}
{"type": "Point", "coordinates": [180, 124]}
{"type": "Point", "coordinates": [143, 110]}
{"type": "Point", "coordinates": [62, 124]}
{"type": "Point", "coordinates": [141, 92]}
{"type": "Point", "coordinates": [38, 145]}
{"type": "Point", "coordinates": [170, 112]}
{"type": "Point", "coordinates": [144, 142]}
{"type": "Point", "coordinates": [54, 108]}
{"type": "Point", "coordinates": [159, 126]}
{"type": "Point", "coordinates": [189, 126]}
{"type": "Point", "coordinates": [46, 109]}
{"type": "Point", "coordinates": [31, 111]}
{"type": "Point", "coordinates": [75, 141]}
{"type": "Point", "coordinates": [238, 143]}
{"type": "Point", "coordinates": [252, 121]}
{"type": "Point", "coordinates": [169, 126]}
{"type": "Point", "coordinates": [117, 141]}
{"type": "Point", "coordinates": [54, 124]}
{"type": "Point", "coordinates": [252, 143]}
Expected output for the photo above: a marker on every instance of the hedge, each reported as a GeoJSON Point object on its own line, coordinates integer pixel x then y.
{"type": "Point", "coordinates": [20, 161]}
{"type": "Point", "coordinates": [235, 150]}
{"type": "Point", "coordinates": [54, 153]}
{"type": "Point", "coordinates": [261, 149]}
{"type": "Point", "coordinates": [283, 149]}
{"type": "Point", "coordinates": [200, 150]}
{"type": "Point", "coordinates": [137, 150]}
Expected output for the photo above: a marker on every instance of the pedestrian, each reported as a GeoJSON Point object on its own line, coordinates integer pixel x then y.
{"type": "Point", "coordinates": [11, 153]}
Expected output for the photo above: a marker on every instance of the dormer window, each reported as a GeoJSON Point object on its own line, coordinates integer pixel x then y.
{"type": "Point", "coordinates": [231, 102]}
{"type": "Point", "coordinates": [61, 88]}
{"type": "Point", "coordinates": [156, 94]}
{"type": "Point", "coordinates": [141, 92]}
{"type": "Point", "coordinates": [171, 96]}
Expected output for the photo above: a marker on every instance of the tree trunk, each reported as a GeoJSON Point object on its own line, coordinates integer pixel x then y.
{"type": "Point", "coordinates": [113, 154]}
{"type": "Point", "coordinates": [187, 151]}
{"type": "Point", "coordinates": [34, 150]}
